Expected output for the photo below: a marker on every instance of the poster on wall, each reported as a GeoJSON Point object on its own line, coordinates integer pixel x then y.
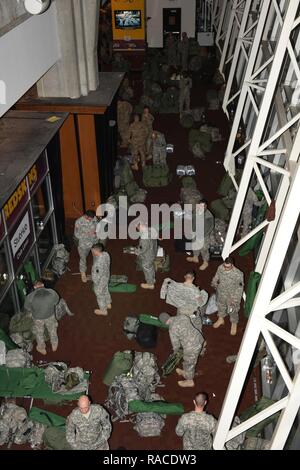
{"type": "Point", "coordinates": [16, 204]}
{"type": "Point", "coordinates": [37, 173]}
{"type": "Point", "coordinates": [128, 23]}
{"type": "Point", "coordinates": [21, 240]}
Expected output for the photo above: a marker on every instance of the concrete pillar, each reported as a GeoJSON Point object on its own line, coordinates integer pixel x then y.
{"type": "Point", "coordinates": [76, 74]}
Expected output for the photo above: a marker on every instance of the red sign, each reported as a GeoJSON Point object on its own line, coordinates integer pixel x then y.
{"type": "Point", "coordinates": [16, 203]}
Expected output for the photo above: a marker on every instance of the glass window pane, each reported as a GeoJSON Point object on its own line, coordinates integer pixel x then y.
{"type": "Point", "coordinates": [45, 242]}
{"type": "Point", "coordinates": [26, 278]}
{"type": "Point", "coordinates": [7, 310]}
{"type": "Point", "coordinates": [5, 275]}
{"type": "Point", "coordinates": [40, 204]}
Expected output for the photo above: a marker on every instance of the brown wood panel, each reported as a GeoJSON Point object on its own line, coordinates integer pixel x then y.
{"type": "Point", "coordinates": [89, 160]}
{"type": "Point", "coordinates": [73, 202]}
{"type": "Point", "coordinates": [55, 108]}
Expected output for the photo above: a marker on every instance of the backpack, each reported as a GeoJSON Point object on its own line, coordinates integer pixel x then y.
{"type": "Point", "coordinates": [122, 390]}
{"type": "Point", "coordinates": [149, 424]}
{"type": "Point", "coordinates": [130, 327]}
{"type": "Point", "coordinates": [146, 335]}
{"type": "Point", "coordinates": [60, 260]}
{"type": "Point", "coordinates": [145, 373]}
{"type": "Point", "coordinates": [18, 358]}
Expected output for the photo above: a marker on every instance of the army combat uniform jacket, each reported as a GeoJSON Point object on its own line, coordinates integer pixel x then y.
{"type": "Point", "coordinates": [196, 429]}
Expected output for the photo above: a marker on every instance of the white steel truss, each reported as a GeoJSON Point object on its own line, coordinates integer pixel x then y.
{"type": "Point", "coordinates": [221, 21]}
{"type": "Point", "coordinates": [272, 148]}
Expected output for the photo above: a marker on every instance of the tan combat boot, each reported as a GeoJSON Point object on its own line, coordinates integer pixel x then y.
{"type": "Point", "coordinates": [109, 306]}
{"type": "Point", "coordinates": [147, 286]}
{"type": "Point", "coordinates": [186, 383]}
{"type": "Point", "coordinates": [219, 322]}
{"type": "Point", "coordinates": [41, 351]}
{"type": "Point", "coordinates": [233, 329]}
{"type": "Point", "coordinates": [100, 312]}
{"type": "Point", "coordinates": [83, 277]}
{"type": "Point", "coordinates": [193, 259]}
{"type": "Point", "coordinates": [180, 372]}
{"type": "Point", "coordinates": [203, 266]}
{"type": "Point", "coordinates": [54, 347]}
{"type": "Point", "coordinates": [135, 167]}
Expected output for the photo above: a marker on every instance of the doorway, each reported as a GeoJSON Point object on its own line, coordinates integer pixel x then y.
{"type": "Point", "coordinates": [171, 22]}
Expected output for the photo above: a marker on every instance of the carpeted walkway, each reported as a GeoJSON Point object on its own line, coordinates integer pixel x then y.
{"type": "Point", "coordinates": [90, 341]}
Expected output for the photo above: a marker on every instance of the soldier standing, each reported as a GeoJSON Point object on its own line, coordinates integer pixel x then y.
{"type": "Point", "coordinates": [124, 113]}
{"type": "Point", "coordinates": [229, 284]}
{"type": "Point", "coordinates": [186, 332]}
{"type": "Point", "coordinates": [147, 120]}
{"type": "Point", "coordinates": [209, 223]}
{"type": "Point", "coordinates": [100, 278]}
{"type": "Point", "coordinates": [171, 50]}
{"type": "Point", "coordinates": [183, 49]}
{"type": "Point", "coordinates": [158, 148]}
{"type": "Point", "coordinates": [201, 295]}
{"type": "Point", "coordinates": [197, 427]}
{"type": "Point", "coordinates": [185, 85]}
{"type": "Point", "coordinates": [146, 252]}
{"type": "Point", "coordinates": [137, 139]}
{"type": "Point", "coordinates": [88, 427]}
{"type": "Point", "coordinates": [250, 201]}
{"type": "Point", "coordinates": [85, 233]}
{"type": "Point", "coordinates": [41, 304]}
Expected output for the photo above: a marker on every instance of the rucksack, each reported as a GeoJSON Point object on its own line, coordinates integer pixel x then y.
{"type": "Point", "coordinates": [18, 358]}
{"type": "Point", "coordinates": [146, 335]}
{"type": "Point", "coordinates": [149, 424]}
{"type": "Point", "coordinates": [145, 373]}
{"type": "Point", "coordinates": [60, 260]}
{"type": "Point", "coordinates": [130, 327]}
{"type": "Point", "coordinates": [122, 390]}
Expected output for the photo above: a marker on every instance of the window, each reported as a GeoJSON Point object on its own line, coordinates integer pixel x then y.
{"type": "Point", "coordinates": [45, 242]}
{"type": "Point", "coordinates": [40, 205]}
{"type": "Point", "coordinates": [5, 275]}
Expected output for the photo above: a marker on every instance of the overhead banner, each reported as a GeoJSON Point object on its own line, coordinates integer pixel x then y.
{"type": "Point", "coordinates": [37, 173]}
{"type": "Point", "coordinates": [128, 24]}
{"type": "Point", "coordinates": [21, 240]}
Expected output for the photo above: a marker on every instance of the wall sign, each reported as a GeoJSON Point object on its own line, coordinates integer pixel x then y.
{"type": "Point", "coordinates": [16, 203]}
{"type": "Point", "coordinates": [21, 240]}
{"type": "Point", "coordinates": [37, 173]}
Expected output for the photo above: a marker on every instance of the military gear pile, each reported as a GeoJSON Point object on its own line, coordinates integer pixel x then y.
{"type": "Point", "coordinates": [18, 358]}
{"type": "Point", "coordinates": [149, 424]}
{"type": "Point", "coordinates": [60, 260]}
{"type": "Point", "coordinates": [156, 176]}
{"type": "Point", "coordinates": [130, 327]}
{"type": "Point", "coordinates": [62, 309]}
{"type": "Point", "coordinates": [65, 380]}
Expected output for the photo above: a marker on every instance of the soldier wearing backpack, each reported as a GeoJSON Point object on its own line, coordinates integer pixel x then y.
{"type": "Point", "coordinates": [85, 233]}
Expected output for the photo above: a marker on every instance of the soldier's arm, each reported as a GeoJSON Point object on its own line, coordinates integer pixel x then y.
{"type": "Point", "coordinates": [216, 279]}
{"type": "Point", "coordinates": [210, 223]}
{"type": "Point", "coordinates": [240, 283]}
{"type": "Point", "coordinates": [142, 247]}
{"type": "Point", "coordinates": [180, 428]}
{"type": "Point", "coordinates": [77, 231]}
{"type": "Point", "coordinates": [71, 432]}
{"type": "Point", "coordinates": [106, 425]}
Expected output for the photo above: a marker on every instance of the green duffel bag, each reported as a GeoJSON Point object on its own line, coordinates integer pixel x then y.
{"type": "Point", "coordinates": [250, 244]}
{"type": "Point", "coordinates": [131, 188]}
{"type": "Point", "coordinates": [189, 182]}
{"type": "Point", "coordinates": [187, 121]}
{"type": "Point", "coordinates": [46, 417]}
{"type": "Point", "coordinates": [252, 287]}
{"type": "Point", "coordinates": [116, 279]}
{"type": "Point", "coordinates": [160, 407]}
{"type": "Point", "coordinates": [9, 344]}
{"type": "Point", "coordinates": [156, 176]}
{"type": "Point", "coordinates": [219, 210]}
{"type": "Point", "coordinates": [123, 288]}
{"type": "Point", "coordinates": [225, 186]}
{"type": "Point", "coordinates": [121, 363]}
{"type": "Point", "coordinates": [260, 405]}
{"type": "Point", "coordinates": [151, 320]}
{"type": "Point", "coordinates": [55, 439]}
{"type": "Point", "coordinates": [204, 139]}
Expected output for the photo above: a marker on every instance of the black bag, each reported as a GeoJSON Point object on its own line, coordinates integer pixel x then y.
{"type": "Point", "coordinates": [146, 335]}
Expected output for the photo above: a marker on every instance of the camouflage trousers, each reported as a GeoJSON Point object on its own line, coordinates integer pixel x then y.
{"type": "Point", "coordinates": [184, 61]}
{"type": "Point", "coordinates": [184, 101]}
{"type": "Point", "coordinates": [227, 306]}
{"type": "Point", "coordinates": [190, 358]}
{"type": "Point", "coordinates": [149, 271]}
{"type": "Point", "coordinates": [159, 156]}
{"type": "Point", "coordinates": [39, 330]}
{"type": "Point", "coordinates": [83, 254]}
{"type": "Point", "coordinates": [124, 134]}
{"type": "Point", "coordinates": [138, 150]}
{"type": "Point", "coordinates": [172, 57]}
{"type": "Point", "coordinates": [103, 296]}
{"type": "Point", "coordinates": [85, 446]}
{"type": "Point", "coordinates": [204, 250]}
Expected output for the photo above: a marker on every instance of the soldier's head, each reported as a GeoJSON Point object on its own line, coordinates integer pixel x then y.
{"type": "Point", "coordinates": [184, 35]}
{"type": "Point", "coordinates": [190, 277]}
{"type": "Point", "coordinates": [203, 203]}
{"type": "Point", "coordinates": [90, 214]}
{"type": "Point", "coordinates": [146, 110]}
{"type": "Point", "coordinates": [228, 263]}
{"type": "Point", "coordinates": [136, 118]}
{"type": "Point", "coordinates": [200, 401]}
{"type": "Point", "coordinates": [84, 404]}
{"type": "Point", "coordinates": [97, 249]}
{"type": "Point", "coordinates": [37, 284]}
{"type": "Point", "coordinates": [154, 135]}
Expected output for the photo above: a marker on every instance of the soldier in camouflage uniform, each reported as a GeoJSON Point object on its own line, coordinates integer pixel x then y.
{"type": "Point", "coordinates": [124, 113]}
{"type": "Point", "coordinates": [88, 427]}
{"type": "Point", "coordinates": [147, 251]}
{"type": "Point", "coordinates": [250, 201]}
{"type": "Point", "coordinates": [137, 139]}
{"type": "Point", "coordinates": [100, 278]}
{"type": "Point", "coordinates": [209, 223]}
{"type": "Point", "coordinates": [197, 427]}
{"type": "Point", "coordinates": [85, 233]}
{"type": "Point", "coordinates": [41, 304]}
{"type": "Point", "coordinates": [157, 148]}
{"type": "Point", "coordinates": [185, 85]}
{"type": "Point", "coordinates": [229, 284]}
{"type": "Point", "coordinates": [183, 50]}
{"type": "Point", "coordinates": [171, 50]}
{"type": "Point", "coordinates": [147, 120]}
{"type": "Point", "coordinates": [186, 332]}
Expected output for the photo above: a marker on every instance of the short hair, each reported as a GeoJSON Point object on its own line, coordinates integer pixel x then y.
{"type": "Point", "coordinates": [201, 398]}
{"type": "Point", "coordinates": [98, 247]}
{"type": "Point", "coordinates": [229, 260]}
{"type": "Point", "coordinates": [204, 201]}
{"type": "Point", "coordinates": [90, 213]}
{"type": "Point", "coordinates": [146, 107]}
{"type": "Point", "coordinates": [191, 274]}
{"type": "Point", "coordinates": [38, 282]}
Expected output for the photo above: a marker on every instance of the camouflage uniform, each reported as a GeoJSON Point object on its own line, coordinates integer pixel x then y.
{"type": "Point", "coordinates": [187, 298]}
{"type": "Point", "coordinates": [137, 138]}
{"type": "Point", "coordinates": [100, 278]}
{"type": "Point", "coordinates": [183, 49]}
{"type": "Point", "coordinates": [171, 51]}
{"type": "Point", "coordinates": [229, 287]}
{"type": "Point", "coordinates": [90, 433]}
{"type": "Point", "coordinates": [197, 429]}
{"type": "Point", "coordinates": [124, 113]}
{"type": "Point", "coordinates": [157, 148]}
{"type": "Point", "coordinates": [209, 223]}
{"type": "Point", "coordinates": [185, 86]}
{"type": "Point", "coordinates": [41, 304]}
{"type": "Point", "coordinates": [250, 201]}
{"type": "Point", "coordinates": [147, 120]}
{"type": "Point", "coordinates": [85, 232]}
{"type": "Point", "coordinates": [186, 333]}
{"type": "Point", "coordinates": [147, 251]}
